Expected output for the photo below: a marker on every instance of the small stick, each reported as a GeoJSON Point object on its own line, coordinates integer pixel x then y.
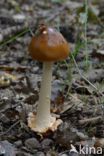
{"type": "Point", "coordinates": [92, 120]}
{"type": "Point", "coordinates": [3, 133]}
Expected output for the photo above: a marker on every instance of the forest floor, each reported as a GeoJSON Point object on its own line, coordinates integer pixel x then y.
{"type": "Point", "coordinates": [77, 85]}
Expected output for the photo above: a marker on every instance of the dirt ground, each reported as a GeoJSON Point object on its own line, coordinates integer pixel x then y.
{"type": "Point", "coordinates": [77, 85]}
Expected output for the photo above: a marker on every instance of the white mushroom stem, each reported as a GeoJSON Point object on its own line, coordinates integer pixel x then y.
{"type": "Point", "coordinates": [43, 117]}
{"type": "Point", "coordinates": [43, 121]}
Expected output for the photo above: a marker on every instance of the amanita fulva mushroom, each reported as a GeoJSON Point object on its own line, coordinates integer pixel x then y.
{"type": "Point", "coordinates": [46, 46]}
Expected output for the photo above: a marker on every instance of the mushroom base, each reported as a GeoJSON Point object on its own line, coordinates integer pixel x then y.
{"type": "Point", "coordinates": [43, 128]}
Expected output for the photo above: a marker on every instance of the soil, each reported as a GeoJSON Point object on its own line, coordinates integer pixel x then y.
{"type": "Point", "coordinates": [77, 85]}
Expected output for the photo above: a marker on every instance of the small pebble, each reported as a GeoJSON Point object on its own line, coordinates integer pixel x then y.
{"type": "Point", "coordinates": [18, 143]}
{"type": "Point", "coordinates": [46, 143]}
{"type": "Point", "coordinates": [32, 144]}
{"type": "Point", "coordinates": [69, 154]}
{"type": "Point", "coordinates": [5, 119]}
{"type": "Point", "coordinates": [1, 37]}
{"type": "Point", "coordinates": [20, 153]}
{"type": "Point", "coordinates": [40, 154]}
{"type": "Point", "coordinates": [20, 18]}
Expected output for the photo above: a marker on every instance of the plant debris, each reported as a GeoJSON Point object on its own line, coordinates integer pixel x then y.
{"type": "Point", "coordinates": [77, 84]}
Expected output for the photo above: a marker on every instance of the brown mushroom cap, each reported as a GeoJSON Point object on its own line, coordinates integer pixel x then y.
{"type": "Point", "coordinates": [48, 45]}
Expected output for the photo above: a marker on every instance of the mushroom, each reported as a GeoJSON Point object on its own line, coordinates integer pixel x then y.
{"type": "Point", "coordinates": [47, 46]}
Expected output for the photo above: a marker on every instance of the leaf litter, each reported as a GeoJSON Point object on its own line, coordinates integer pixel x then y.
{"type": "Point", "coordinates": [82, 110]}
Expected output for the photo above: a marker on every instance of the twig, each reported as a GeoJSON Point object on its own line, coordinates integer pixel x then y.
{"type": "Point", "coordinates": [92, 120]}
{"type": "Point", "coordinates": [10, 128]}
{"type": "Point", "coordinates": [13, 68]}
